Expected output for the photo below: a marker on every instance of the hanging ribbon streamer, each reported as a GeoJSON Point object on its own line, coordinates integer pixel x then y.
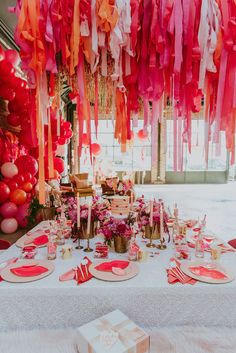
{"type": "Point", "coordinates": [136, 47]}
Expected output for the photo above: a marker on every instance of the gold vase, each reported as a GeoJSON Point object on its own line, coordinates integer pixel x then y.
{"type": "Point", "coordinates": [121, 244]}
{"type": "Point", "coordinates": [155, 231]}
{"type": "Point", "coordinates": [83, 230]}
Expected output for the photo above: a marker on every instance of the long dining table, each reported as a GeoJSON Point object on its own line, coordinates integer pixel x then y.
{"type": "Point", "coordinates": [148, 298]}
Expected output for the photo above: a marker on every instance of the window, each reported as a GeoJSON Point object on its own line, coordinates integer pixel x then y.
{"type": "Point", "coordinates": [111, 159]}
{"type": "Point", "coordinates": [195, 161]}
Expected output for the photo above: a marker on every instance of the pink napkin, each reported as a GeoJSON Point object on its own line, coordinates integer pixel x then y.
{"type": "Point", "coordinates": [8, 262]}
{"type": "Point", "coordinates": [81, 274]}
{"type": "Point", "coordinates": [176, 275]}
{"type": "Point", "coordinates": [69, 275]}
{"type": "Point", "coordinates": [28, 240]}
{"type": "Point", "coordinates": [41, 240]}
{"type": "Point", "coordinates": [207, 272]}
{"type": "Point", "coordinates": [28, 271]}
{"type": "Point", "coordinates": [107, 266]}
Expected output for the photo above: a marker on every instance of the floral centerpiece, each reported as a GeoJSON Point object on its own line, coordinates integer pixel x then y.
{"type": "Point", "coordinates": [118, 230]}
{"type": "Point", "coordinates": [143, 211]}
{"type": "Point", "coordinates": [99, 211]}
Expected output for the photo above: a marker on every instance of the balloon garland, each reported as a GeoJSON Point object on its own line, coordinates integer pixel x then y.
{"type": "Point", "coordinates": [128, 57]}
{"type": "Point", "coordinates": [23, 116]}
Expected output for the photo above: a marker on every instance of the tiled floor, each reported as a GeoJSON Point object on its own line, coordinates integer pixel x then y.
{"type": "Point", "coordinates": [217, 201]}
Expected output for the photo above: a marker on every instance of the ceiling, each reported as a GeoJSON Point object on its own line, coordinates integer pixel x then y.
{"type": "Point", "coordinates": [8, 18]}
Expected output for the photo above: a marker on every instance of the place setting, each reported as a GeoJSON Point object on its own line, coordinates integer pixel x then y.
{"type": "Point", "coordinates": [27, 271]}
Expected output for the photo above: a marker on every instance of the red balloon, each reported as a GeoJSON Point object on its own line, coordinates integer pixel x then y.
{"type": "Point", "coordinates": [12, 56]}
{"type": "Point", "coordinates": [13, 119]}
{"type": "Point", "coordinates": [62, 141]}
{"type": "Point", "coordinates": [18, 196]}
{"type": "Point", "coordinates": [2, 53]}
{"type": "Point", "coordinates": [19, 104]}
{"type": "Point", "coordinates": [7, 93]}
{"type": "Point", "coordinates": [12, 185]}
{"type": "Point", "coordinates": [25, 138]}
{"type": "Point", "coordinates": [4, 192]}
{"type": "Point", "coordinates": [22, 214]}
{"type": "Point", "coordinates": [68, 134]}
{"type": "Point", "coordinates": [66, 125]}
{"type": "Point", "coordinates": [27, 187]}
{"type": "Point", "coordinates": [27, 177]}
{"type": "Point", "coordinates": [95, 149]}
{"type": "Point", "coordinates": [59, 164]}
{"type": "Point", "coordinates": [85, 140]}
{"type": "Point", "coordinates": [142, 135]}
{"type": "Point", "coordinates": [8, 209]}
{"type": "Point", "coordinates": [33, 181]}
{"type": "Point", "coordinates": [19, 179]}
{"type": "Point", "coordinates": [28, 163]}
{"type": "Point", "coordinates": [6, 68]}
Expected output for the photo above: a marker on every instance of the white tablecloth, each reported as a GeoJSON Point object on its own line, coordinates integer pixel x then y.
{"type": "Point", "coordinates": [147, 299]}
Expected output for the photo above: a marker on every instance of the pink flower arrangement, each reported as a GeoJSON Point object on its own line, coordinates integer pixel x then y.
{"type": "Point", "coordinates": [99, 209]}
{"type": "Point", "coordinates": [112, 227]}
{"type": "Point", "coordinates": [143, 211]}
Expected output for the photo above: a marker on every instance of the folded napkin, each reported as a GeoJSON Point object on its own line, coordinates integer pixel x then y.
{"type": "Point", "coordinates": [28, 240]}
{"type": "Point", "coordinates": [41, 240]}
{"type": "Point", "coordinates": [81, 274]}
{"type": "Point", "coordinates": [8, 262]}
{"type": "Point", "coordinates": [224, 247]}
{"type": "Point", "coordinates": [28, 271]}
{"type": "Point", "coordinates": [207, 272]}
{"type": "Point", "coordinates": [176, 275]}
{"type": "Point", "coordinates": [107, 266]}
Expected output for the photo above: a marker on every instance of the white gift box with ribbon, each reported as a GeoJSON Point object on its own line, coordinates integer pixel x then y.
{"type": "Point", "coordinates": [112, 333]}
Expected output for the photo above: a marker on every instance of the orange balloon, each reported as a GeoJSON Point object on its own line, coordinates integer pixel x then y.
{"type": "Point", "coordinates": [27, 187]}
{"type": "Point", "coordinates": [18, 196]}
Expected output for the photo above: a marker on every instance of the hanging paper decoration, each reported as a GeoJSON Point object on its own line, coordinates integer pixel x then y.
{"type": "Point", "coordinates": [131, 57]}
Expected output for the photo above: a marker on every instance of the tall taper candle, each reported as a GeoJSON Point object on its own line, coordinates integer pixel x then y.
{"type": "Point", "coordinates": [161, 222]}
{"type": "Point", "coordinates": [151, 213]}
{"type": "Point", "coordinates": [78, 210]}
{"type": "Point", "coordinates": [131, 199]}
{"type": "Point", "coordinates": [176, 211]}
{"type": "Point", "coordinates": [89, 218]}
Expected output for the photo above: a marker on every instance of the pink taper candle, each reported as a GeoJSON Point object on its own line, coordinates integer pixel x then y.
{"type": "Point", "coordinates": [151, 213]}
{"type": "Point", "coordinates": [78, 210]}
{"type": "Point", "coordinates": [89, 218]}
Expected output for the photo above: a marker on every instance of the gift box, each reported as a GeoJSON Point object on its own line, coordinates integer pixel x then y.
{"type": "Point", "coordinates": [112, 333]}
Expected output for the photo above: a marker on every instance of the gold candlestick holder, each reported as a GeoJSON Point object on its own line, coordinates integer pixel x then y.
{"type": "Point", "coordinates": [79, 246]}
{"type": "Point", "coordinates": [150, 244]}
{"type": "Point", "coordinates": [88, 249]}
{"type": "Point", "coordinates": [162, 245]}
{"type": "Point", "coordinates": [77, 231]}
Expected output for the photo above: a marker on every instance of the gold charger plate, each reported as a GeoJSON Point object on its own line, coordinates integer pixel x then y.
{"type": "Point", "coordinates": [8, 276]}
{"type": "Point", "coordinates": [185, 268]}
{"type": "Point", "coordinates": [132, 271]}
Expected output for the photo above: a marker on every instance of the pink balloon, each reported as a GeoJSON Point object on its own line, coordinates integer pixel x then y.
{"type": "Point", "coordinates": [9, 225]}
{"type": "Point", "coordinates": [9, 170]}
{"type": "Point", "coordinates": [22, 214]}
{"type": "Point", "coordinates": [8, 210]}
